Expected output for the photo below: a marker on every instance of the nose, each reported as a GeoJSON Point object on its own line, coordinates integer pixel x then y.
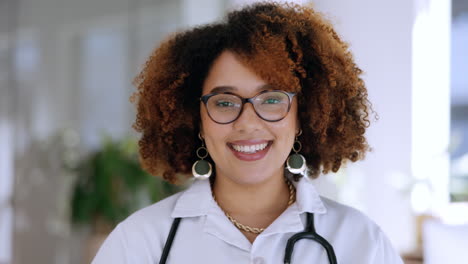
{"type": "Point", "coordinates": [248, 120]}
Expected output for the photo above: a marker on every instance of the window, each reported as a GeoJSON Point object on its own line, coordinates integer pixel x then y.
{"type": "Point", "coordinates": [459, 102]}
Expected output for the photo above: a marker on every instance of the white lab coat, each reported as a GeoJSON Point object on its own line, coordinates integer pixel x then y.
{"type": "Point", "coordinates": [205, 234]}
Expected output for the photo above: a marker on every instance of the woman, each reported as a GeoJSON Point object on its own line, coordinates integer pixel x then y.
{"type": "Point", "coordinates": [252, 107]}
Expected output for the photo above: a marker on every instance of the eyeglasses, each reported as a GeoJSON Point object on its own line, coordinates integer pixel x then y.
{"type": "Point", "coordinates": [269, 105]}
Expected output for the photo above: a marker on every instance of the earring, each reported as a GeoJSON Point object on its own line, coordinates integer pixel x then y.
{"type": "Point", "coordinates": [296, 163]}
{"type": "Point", "coordinates": [201, 169]}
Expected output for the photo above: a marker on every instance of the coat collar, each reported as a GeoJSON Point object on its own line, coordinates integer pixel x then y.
{"type": "Point", "coordinates": [197, 199]}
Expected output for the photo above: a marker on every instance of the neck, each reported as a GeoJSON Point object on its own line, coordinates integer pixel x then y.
{"type": "Point", "coordinates": [269, 197]}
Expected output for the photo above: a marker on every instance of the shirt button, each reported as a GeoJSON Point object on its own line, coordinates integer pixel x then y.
{"type": "Point", "coordinates": [258, 260]}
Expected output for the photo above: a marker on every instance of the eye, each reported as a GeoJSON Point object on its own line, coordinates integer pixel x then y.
{"type": "Point", "coordinates": [221, 103]}
{"type": "Point", "coordinates": [271, 101]}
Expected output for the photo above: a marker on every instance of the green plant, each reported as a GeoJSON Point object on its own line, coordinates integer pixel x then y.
{"type": "Point", "coordinates": [111, 185]}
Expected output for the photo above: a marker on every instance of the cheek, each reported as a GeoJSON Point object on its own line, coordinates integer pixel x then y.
{"type": "Point", "coordinates": [285, 130]}
{"type": "Point", "coordinates": [289, 124]}
{"type": "Point", "coordinates": [286, 135]}
{"type": "Point", "coordinates": [213, 133]}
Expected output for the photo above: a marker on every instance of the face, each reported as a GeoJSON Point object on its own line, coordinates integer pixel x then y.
{"type": "Point", "coordinates": [236, 148]}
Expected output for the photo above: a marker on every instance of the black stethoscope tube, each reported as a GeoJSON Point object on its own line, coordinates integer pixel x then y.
{"type": "Point", "coordinates": [170, 238]}
{"type": "Point", "coordinates": [309, 233]}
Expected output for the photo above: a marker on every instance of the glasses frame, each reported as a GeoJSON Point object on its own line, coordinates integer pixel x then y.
{"type": "Point", "coordinates": [250, 100]}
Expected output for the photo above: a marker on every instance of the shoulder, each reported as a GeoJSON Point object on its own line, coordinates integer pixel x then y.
{"type": "Point", "coordinates": [140, 237]}
{"type": "Point", "coordinates": [339, 210]}
{"type": "Point", "coordinates": [143, 234]}
{"type": "Point", "coordinates": [353, 231]}
{"type": "Point", "coordinates": [152, 218]}
{"type": "Point", "coordinates": [344, 215]}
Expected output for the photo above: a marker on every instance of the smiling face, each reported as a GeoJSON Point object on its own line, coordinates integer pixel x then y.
{"type": "Point", "coordinates": [250, 149]}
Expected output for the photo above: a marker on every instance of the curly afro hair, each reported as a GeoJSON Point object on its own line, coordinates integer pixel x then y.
{"type": "Point", "coordinates": [288, 45]}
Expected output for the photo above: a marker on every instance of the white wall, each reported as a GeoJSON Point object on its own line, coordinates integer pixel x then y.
{"type": "Point", "coordinates": [379, 33]}
{"type": "Point", "coordinates": [411, 136]}
{"type": "Point", "coordinates": [431, 104]}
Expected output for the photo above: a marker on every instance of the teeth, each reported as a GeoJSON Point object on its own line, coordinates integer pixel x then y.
{"type": "Point", "coordinates": [250, 148]}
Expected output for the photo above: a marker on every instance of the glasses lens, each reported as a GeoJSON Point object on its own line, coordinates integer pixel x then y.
{"type": "Point", "coordinates": [224, 108]}
{"type": "Point", "coordinates": [272, 106]}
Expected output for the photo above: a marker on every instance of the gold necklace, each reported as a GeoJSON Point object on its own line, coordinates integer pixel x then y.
{"type": "Point", "coordinates": [256, 230]}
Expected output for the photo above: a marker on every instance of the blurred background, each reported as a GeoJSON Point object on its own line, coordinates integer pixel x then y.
{"type": "Point", "coordinates": [67, 146]}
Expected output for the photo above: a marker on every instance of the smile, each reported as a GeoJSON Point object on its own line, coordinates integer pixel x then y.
{"type": "Point", "coordinates": [250, 150]}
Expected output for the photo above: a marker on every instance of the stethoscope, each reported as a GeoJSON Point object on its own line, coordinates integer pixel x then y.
{"type": "Point", "coordinates": [309, 233]}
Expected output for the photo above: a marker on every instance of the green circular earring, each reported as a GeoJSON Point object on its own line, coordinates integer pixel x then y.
{"type": "Point", "coordinates": [201, 169]}
{"type": "Point", "coordinates": [296, 163]}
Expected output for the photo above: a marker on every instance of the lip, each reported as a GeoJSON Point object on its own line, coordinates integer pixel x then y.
{"type": "Point", "coordinates": [253, 156]}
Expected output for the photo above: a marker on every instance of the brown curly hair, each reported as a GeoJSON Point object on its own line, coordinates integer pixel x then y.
{"type": "Point", "coordinates": [288, 45]}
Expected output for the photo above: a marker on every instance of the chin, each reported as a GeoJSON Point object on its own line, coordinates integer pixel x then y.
{"type": "Point", "coordinates": [251, 176]}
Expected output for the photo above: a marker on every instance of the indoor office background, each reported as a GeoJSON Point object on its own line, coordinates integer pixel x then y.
{"type": "Point", "coordinates": [66, 69]}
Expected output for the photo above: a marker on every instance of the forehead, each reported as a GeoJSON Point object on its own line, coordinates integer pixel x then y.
{"type": "Point", "coordinates": [229, 73]}
{"type": "Point", "coordinates": [248, 71]}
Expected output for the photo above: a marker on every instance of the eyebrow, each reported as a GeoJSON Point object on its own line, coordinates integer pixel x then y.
{"type": "Point", "coordinates": [226, 88]}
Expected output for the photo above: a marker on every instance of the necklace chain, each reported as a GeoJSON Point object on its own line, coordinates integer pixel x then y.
{"type": "Point", "coordinates": [257, 230]}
